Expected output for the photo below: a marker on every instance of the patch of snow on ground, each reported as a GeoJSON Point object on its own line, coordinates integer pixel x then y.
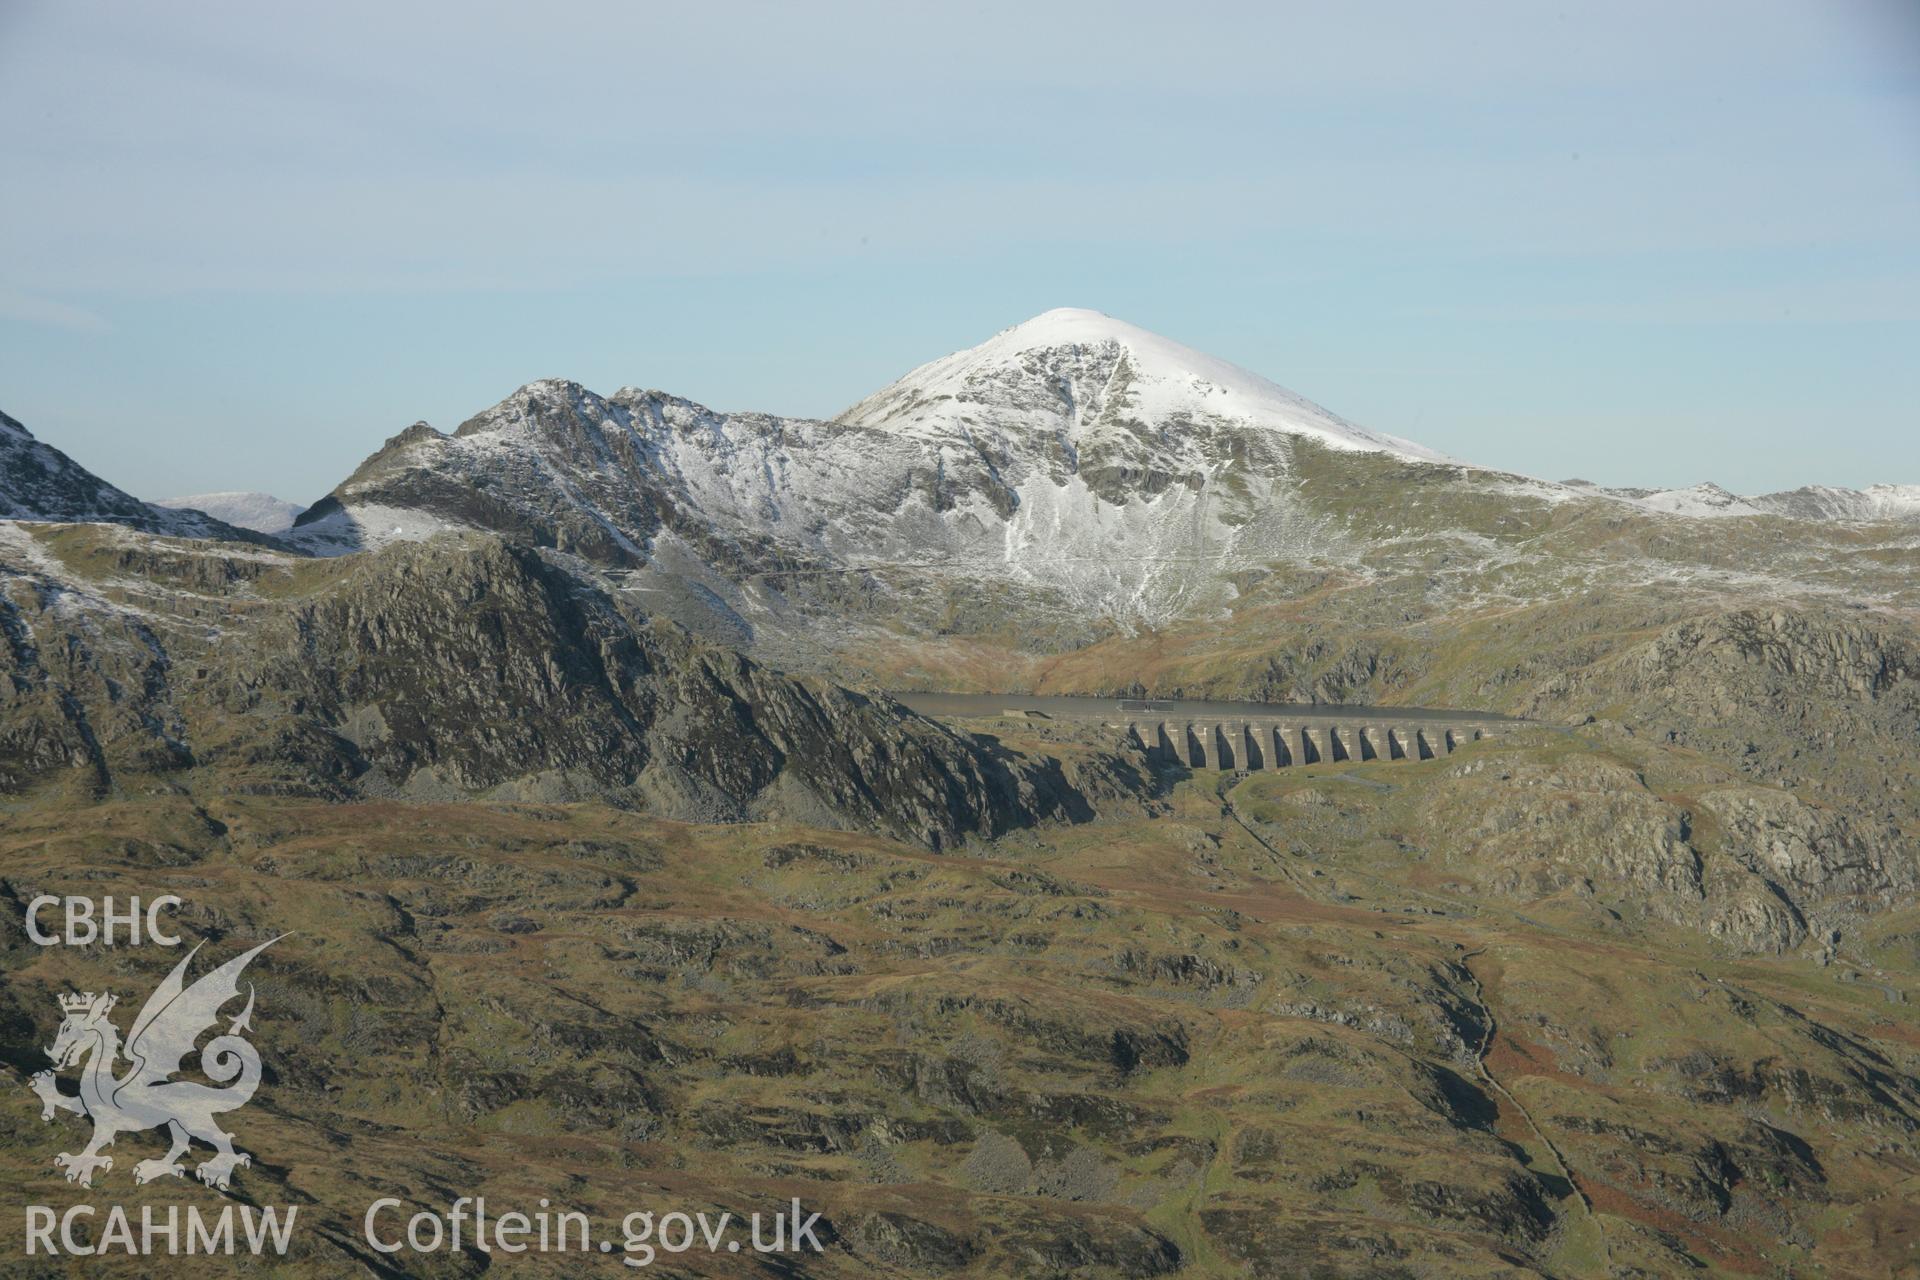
{"type": "Point", "coordinates": [367, 527]}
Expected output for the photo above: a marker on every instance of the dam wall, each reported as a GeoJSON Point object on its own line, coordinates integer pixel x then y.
{"type": "Point", "coordinates": [1256, 744]}
{"type": "Point", "coordinates": [1248, 736]}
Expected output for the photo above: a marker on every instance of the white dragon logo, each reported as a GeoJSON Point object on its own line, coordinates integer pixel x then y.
{"type": "Point", "coordinates": [174, 1016]}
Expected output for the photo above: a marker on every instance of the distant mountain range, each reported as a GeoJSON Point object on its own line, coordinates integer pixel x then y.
{"type": "Point", "coordinates": [1809, 502]}
{"type": "Point", "coordinates": [1073, 436]}
{"type": "Point", "coordinates": [1070, 477]}
{"type": "Point", "coordinates": [260, 512]}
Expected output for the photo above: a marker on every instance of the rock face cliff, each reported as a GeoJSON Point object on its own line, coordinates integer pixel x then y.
{"type": "Point", "coordinates": [1757, 868]}
{"type": "Point", "coordinates": [1822, 699]}
{"type": "Point", "coordinates": [459, 668]}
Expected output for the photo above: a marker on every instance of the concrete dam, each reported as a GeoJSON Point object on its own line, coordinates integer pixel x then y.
{"type": "Point", "coordinates": [1242, 735]}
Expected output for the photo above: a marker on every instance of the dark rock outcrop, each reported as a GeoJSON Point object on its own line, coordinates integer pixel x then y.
{"type": "Point", "coordinates": [469, 666]}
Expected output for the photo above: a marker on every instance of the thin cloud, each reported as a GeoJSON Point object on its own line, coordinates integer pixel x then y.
{"type": "Point", "coordinates": [50, 314]}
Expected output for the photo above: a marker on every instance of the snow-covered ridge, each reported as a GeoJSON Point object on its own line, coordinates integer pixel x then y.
{"type": "Point", "coordinates": [261, 512]}
{"type": "Point", "coordinates": [1810, 502]}
{"type": "Point", "coordinates": [1824, 502]}
{"type": "Point", "coordinates": [1106, 375]}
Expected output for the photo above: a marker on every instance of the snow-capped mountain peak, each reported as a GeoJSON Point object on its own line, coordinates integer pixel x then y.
{"type": "Point", "coordinates": [1086, 374]}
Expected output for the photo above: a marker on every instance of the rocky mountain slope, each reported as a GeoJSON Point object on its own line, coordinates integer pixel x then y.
{"type": "Point", "coordinates": [1463, 1017]}
{"type": "Point", "coordinates": [38, 482]}
{"type": "Point", "coordinates": [466, 667]}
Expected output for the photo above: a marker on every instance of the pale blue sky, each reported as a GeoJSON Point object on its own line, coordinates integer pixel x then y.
{"type": "Point", "coordinates": [1655, 243]}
